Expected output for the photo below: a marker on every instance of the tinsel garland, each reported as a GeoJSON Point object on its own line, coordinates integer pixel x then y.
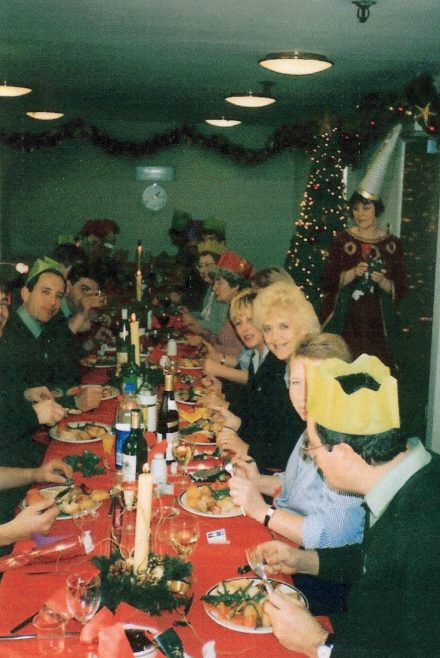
{"type": "Point", "coordinates": [149, 591]}
{"type": "Point", "coordinates": [368, 123]}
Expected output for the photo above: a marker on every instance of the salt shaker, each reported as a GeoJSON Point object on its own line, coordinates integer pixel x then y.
{"type": "Point", "coordinates": [159, 469]}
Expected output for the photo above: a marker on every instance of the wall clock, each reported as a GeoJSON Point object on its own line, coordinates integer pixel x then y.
{"type": "Point", "coordinates": [154, 197]}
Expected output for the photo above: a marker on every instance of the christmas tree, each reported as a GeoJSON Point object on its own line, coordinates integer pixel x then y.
{"type": "Point", "coordinates": [323, 213]}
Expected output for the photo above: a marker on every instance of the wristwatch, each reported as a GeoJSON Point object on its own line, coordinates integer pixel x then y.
{"type": "Point", "coordinates": [269, 515]}
{"type": "Point", "coordinates": [325, 650]}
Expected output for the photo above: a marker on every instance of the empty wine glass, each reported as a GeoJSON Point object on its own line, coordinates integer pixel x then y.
{"type": "Point", "coordinates": [184, 534]}
{"type": "Point", "coordinates": [83, 595]}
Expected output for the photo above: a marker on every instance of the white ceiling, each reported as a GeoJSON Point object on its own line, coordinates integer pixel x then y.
{"type": "Point", "coordinates": [175, 60]}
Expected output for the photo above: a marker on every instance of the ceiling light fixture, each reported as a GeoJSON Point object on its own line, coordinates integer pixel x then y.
{"type": "Point", "coordinates": [9, 91]}
{"type": "Point", "coordinates": [295, 62]}
{"type": "Point", "coordinates": [45, 116]}
{"type": "Point", "coordinates": [249, 99]}
{"type": "Point", "coordinates": [363, 9]}
{"type": "Point", "coordinates": [223, 123]}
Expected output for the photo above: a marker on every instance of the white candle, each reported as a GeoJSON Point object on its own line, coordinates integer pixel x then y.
{"type": "Point", "coordinates": [134, 338]}
{"type": "Point", "coordinates": [138, 286]}
{"type": "Point", "coordinates": [143, 520]}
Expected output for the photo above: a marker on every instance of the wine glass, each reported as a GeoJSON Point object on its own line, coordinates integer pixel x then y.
{"type": "Point", "coordinates": [184, 534]}
{"type": "Point", "coordinates": [182, 452]}
{"type": "Point", "coordinates": [83, 595]}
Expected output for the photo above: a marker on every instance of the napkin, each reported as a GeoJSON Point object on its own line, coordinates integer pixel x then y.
{"type": "Point", "coordinates": [90, 631]}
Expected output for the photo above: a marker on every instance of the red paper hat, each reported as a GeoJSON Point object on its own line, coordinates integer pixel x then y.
{"type": "Point", "coordinates": [234, 264]}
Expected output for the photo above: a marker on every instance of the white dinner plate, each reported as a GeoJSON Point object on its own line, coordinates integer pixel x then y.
{"type": "Point", "coordinates": [65, 438]}
{"type": "Point", "coordinates": [98, 362]}
{"type": "Point", "coordinates": [187, 438]}
{"type": "Point", "coordinates": [109, 392]}
{"type": "Point", "coordinates": [184, 504]}
{"type": "Point", "coordinates": [283, 587]}
{"type": "Point", "coordinates": [61, 516]}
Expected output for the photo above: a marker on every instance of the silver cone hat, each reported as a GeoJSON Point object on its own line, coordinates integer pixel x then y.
{"type": "Point", "coordinates": [371, 185]}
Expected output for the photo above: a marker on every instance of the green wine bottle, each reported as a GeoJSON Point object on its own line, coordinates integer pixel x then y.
{"type": "Point", "coordinates": [134, 449]}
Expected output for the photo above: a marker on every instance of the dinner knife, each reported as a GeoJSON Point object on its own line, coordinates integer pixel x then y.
{"type": "Point", "coordinates": [30, 636]}
{"type": "Point", "coordinates": [23, 623]}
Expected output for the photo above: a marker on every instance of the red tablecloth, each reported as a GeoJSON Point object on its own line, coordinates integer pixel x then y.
{"type": "Point", "coordinates": [22, 595]}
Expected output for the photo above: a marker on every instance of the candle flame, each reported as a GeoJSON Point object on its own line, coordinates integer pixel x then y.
{"type": "Point", "coordinates": [133, 317]}
{"type": "Point", "coordinates": [145, 468]}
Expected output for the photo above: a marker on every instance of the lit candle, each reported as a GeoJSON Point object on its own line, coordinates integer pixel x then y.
{"type": "Point", "coordinates": [143, 520]}
{"type": "Point", "coordinates": [134, 337]}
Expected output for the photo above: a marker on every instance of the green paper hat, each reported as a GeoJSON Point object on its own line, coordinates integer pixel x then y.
{"type": "Point", "coordinates": [41, 265]}
{"type": "Point", "coordinates": [215, 225]}
{"type": "Point", "coordinates": [180, 221]}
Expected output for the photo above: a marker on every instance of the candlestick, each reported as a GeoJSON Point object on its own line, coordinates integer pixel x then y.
{"type": "Point", "coordinates": [143, 520]}
{"type": "Point", "coordinates": [138, 286]}
{"type": "Point", "coordinates": [134, 337]}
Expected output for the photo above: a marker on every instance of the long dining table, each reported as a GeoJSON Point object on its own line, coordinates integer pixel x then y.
{"type": "Point", "coordinates": [23, 591]}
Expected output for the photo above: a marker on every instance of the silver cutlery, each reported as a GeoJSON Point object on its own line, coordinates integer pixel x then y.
{"type": "Point", "coordinates": [257, 567]}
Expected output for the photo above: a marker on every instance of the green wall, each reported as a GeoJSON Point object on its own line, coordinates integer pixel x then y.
{"type": "Point", "coordinates": [53, 191]}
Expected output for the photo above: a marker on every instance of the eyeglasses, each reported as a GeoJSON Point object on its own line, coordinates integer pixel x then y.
{"type": "Point", "coordinates": [306, 449]}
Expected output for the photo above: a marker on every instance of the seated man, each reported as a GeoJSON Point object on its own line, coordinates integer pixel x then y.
{"type": "Point", "coordinates": [354, 438]}
{"type": "Point", "coordinates": [36, 348]}
{"type": "Point", "coordinates": [81, 304]}
{"type": "Point", "coordinates": [37, 517]}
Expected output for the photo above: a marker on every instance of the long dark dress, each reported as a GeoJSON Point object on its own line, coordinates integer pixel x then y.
{"type": "Point", "coordinates": [369, 322]}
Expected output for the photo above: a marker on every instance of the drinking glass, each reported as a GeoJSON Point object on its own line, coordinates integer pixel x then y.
{"type": "Point", "coordinates": [182, 452]}
{"type": "Point", "coordinates": [184, 534]}
{"type": "Point", "coordinates": [83, 595]}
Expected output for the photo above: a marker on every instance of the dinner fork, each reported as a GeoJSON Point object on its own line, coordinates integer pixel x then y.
{"type": "Point", "coordinates": [257, 566]}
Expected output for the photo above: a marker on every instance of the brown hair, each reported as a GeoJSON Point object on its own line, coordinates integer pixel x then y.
{"type": "Point", "coordinates": [324, 346]}
{"type": "Point", "coordinates": [241, 303]}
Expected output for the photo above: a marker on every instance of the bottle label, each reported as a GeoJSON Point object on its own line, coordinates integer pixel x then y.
{"type": "Point", "coordinates": [129, 468]}
{"type": "Point", "coordinates": [121, 358]}
{"type": "Point", "coordinates": [122, 431]}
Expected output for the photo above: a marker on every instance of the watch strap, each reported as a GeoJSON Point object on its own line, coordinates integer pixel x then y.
{"type": "Point", "coordinates": [268, 516]}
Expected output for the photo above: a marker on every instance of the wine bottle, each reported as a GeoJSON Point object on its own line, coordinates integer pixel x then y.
{"type": "Point", "coordinates": [168, 419]}
{"type": "Point", "coordinates": [123, 421]}
{"type": "Point", "coordinates": [134, 450]}
{"type": "Point", "coordinates": [131, 371]}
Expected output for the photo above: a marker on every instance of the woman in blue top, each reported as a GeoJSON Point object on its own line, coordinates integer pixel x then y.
{"type": "Point", "coordinates": [306, 510]}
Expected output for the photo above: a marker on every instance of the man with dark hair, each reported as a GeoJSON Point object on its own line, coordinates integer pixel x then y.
{"type": "Point", "coordinates": [393, 605]}
{"type": "Point", "coordinates": [67, 255]}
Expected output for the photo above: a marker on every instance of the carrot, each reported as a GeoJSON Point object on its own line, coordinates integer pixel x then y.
{"type": "Point", "coordinates": [33, 496]}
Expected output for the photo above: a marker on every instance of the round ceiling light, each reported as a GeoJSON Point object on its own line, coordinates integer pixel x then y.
{"type": "Point", "coordinates": [45, 116]}
{"type": "Point", "coordinates": [250, 100]}
{"type": "Point", "coordinates": [10, 90]}
{"type": "Point", "coordinates": [295, 63]}
{"type": "Point", "coordinates": [223, 123]}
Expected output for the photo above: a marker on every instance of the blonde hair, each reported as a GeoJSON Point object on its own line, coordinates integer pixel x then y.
{"type": "Point", "coordinates": [286, 297]}
{"type": "Point", "coordinates": [324, 346]}
{"type": "Point", "coordinates": [242, 303]}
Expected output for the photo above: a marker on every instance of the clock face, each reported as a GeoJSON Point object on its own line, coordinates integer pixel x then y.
{"type": "Point", "coordinates": [154, 197]}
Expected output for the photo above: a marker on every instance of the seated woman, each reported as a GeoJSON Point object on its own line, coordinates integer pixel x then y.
{"type": "Point", "coordinates": [231, 274]}
{"type": "Point", "coordinates": [305, 510]}
{"type": "Point", "coordinates": [213, 313]}
{"type": "Point", "coordinates": [284, 316]}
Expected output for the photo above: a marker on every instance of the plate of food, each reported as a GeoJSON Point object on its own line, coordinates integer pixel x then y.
{"type": "Point", "coordinates": [189, 395]}
{"type": "Point", "coordinates": [238, 603]}
{"type": "Point", "coordinates": [189, 363]}
{"type": "Point", "coordinates": [99, 361]}
{"type": "Point", "coordinates": [202, 438]}
{"type": "Point", "coordinates": [76, 501]}
{"type": "Point", "coordinates": [211, 500]}
{"type": "Point", "coordinates": [108, 392]}
{"type": "Point", "coordinates": [139, 639]}
{"type": "Point", "coordinates": [79, 432]}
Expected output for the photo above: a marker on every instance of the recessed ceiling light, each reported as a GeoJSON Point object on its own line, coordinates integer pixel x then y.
{"type": "Point", "coordinates": [250, 100]}
{"type": "Point", "coordinates": [295, 63]}
{"type": "Point", "coordinates": [223, 123]}
{"type": "Point", "coordinates": [45, 116]}
{"type": "Point", "coordinates": [10, 90]}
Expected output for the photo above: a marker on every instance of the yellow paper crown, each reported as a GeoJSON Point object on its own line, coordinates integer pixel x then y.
{"type": "Point", "coordinates": [363, 412]}
{"type": "Point", "coordinates": [211, 245]}
{"type": "Point", "coordinates": [41, 265]}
